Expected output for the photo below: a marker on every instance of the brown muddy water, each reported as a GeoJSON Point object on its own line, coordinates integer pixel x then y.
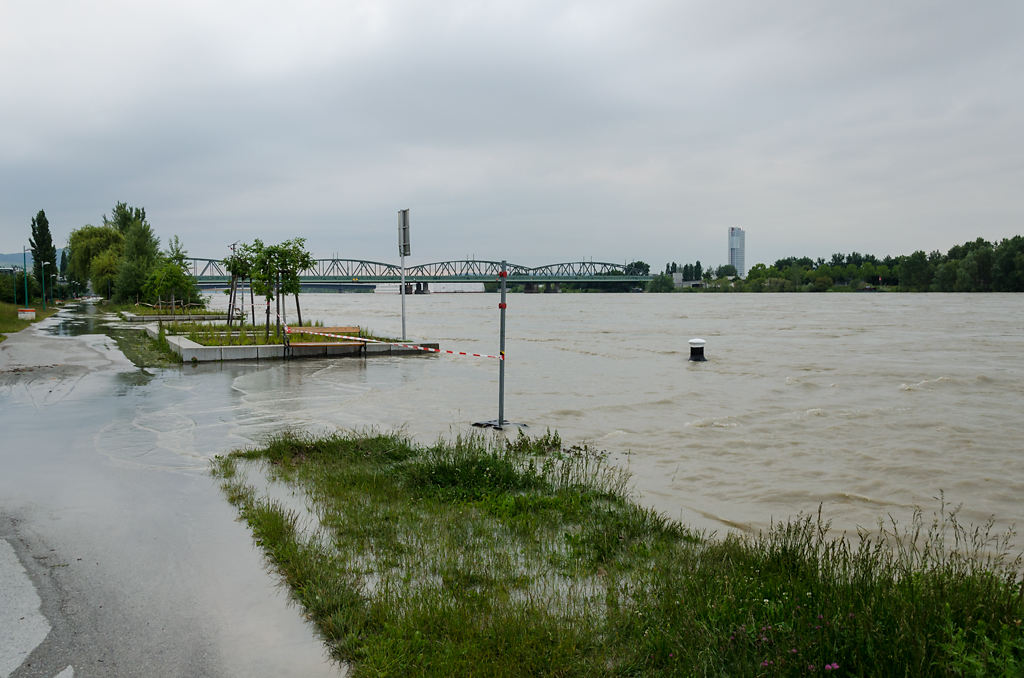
{"type": "Point", "coordinates": [865, 404]}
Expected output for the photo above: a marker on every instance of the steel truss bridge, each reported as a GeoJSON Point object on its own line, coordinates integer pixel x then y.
{"type": "Point", "coordinates": [213, 273]}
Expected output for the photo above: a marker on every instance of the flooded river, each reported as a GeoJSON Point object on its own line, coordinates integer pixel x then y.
{"type": "Point", "coordinates": [868, 404]}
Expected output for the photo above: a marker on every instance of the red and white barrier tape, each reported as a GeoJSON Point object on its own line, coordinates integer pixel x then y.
{"type": "Point", "coordinates": [306, 330]}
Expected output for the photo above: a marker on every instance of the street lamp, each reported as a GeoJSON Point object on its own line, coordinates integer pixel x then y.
{"type": "Point", "coordinates": [24, 273]}
{"type": "Point", "coordinates": [42, 275]}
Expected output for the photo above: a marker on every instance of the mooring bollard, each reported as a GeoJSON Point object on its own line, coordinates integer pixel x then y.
{"type": "Point", "coordinates": [697, 350]}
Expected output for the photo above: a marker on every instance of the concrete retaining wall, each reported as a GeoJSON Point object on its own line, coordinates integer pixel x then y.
{"type": "Point", "coordinates": [191, 351]}
{"type": "Point", "coordinates": [134, 318]}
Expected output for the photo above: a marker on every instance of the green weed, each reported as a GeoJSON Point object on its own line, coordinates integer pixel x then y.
{"type": "Point", "coordinates": [471, 557]}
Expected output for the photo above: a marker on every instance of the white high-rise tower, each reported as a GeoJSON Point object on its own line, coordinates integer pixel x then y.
{"type": "Point", "coordinates": [737, 248]}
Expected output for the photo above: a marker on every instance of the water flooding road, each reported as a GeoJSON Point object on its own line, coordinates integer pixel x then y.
{"type": "Point", "coordinates": [139, 562]}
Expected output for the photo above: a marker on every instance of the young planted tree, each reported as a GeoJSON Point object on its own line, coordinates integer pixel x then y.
{"type": "Point", "coordinates": [294, 260]}
{"type": "Point", "coordinates": [265, 267]}
{"type": "Point", "coordinates": [239, 265]}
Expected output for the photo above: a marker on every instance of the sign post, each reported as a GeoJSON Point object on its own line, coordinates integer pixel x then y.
{"type": "Point", "coordinates": [500, 423]}
{"type": "Point", "coordinates": [501, 352]}
{"type": "Point", "coordinates": [403, 251]}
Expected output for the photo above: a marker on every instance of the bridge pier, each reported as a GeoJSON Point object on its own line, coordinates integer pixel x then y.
{"type": "Point", "coordinates": [422, 288]}
{"type": "Point", "coordinates": [531, 288]}
{"type": "Point", "coordinates": [552, 288]}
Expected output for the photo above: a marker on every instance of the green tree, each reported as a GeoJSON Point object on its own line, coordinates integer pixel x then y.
{"type": "Point", "coordinates": [1008, 265]}
{"type": "Point", "coordinates": [915, 272]}
{"type": "Point", "coordinates": [264, 274]}
{"type": "Point", "coordinates": [294, 259]}
{"type": "Point", "coordinates": [726, 271]}
{"type": "Point", "coordinates": [103, 271]}
{"type": "Point", "coordinates": [661, 283]}
{"type": "Point", "coordinates": [176, 252]}
{"type": "Point", "coordinates": [757, 271]}
{"type": "Point", "coordinates": [88, 242]}
{"type": "Point", "coordinates": [821, 283]}
{"type": "Point", "coordinates": [638, 268]}
{"type": "Point", "coordinates": [944, 279]}
{"type": "Point", "coordinates": [239, 265]}
{"type": "Point", "coordinates": [123, 216]}
{"type": "Point", "coordinates": [168, 280]}
{"type": "Point", "coordinates": [43, 250]}
{"type": "Point", "coordinates": [141, 252]}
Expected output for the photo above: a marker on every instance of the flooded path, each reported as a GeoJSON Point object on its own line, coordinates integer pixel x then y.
{"type": "Point", "coordinates": [138, 561]}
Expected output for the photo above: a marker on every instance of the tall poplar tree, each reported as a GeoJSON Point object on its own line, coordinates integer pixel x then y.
{"type": "Point", "coordinates": [43, 250]}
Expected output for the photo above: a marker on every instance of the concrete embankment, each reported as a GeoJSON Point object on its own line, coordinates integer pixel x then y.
{"type": "Point", "coordinates": [181, 317]}
{"type": "Point", "coordinates": [191, 351]}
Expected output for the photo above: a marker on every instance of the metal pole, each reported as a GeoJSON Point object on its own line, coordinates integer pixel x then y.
{"type": "Point", "coordinates": [501, 363]}
{"type": "Point", "coordinates": [24, 273]}
{"type": "Point", "coordinates": [42, 271]}
{"type": "Point", "coordinates": [403, 297]}
{"type": "Point", "coordinates": [403, 249]}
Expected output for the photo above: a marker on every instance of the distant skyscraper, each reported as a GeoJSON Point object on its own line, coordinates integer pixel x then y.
{"type": "Point", "coordinates": [737, 249]}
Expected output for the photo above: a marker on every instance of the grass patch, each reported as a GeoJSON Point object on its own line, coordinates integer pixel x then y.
{"type": "Point", "coordinates": [143, 351]}
{"type": "Point", "coordinates": [219, 334]}
{"type": "Point", "coordinates": [526, 558]}
{"type": "Point", "coordinates": [9, 322]}
{"type": "Point", "coordinates": [240, 334]}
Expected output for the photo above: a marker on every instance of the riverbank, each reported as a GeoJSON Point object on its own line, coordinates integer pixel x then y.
{"type": "Point", "coordinates": [529, 558]}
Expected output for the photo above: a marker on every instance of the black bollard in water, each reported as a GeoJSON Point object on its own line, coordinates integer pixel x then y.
{"type": "Point", "coordinates": [697, 350]}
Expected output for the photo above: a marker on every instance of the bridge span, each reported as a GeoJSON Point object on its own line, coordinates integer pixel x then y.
{"type": "Point", "coordinates": [212, 272]}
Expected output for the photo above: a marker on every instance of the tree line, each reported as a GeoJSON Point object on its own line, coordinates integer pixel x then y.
{"type": "Point", "coordinates": [975, 266]}
{"type": "Point", "coordinates": [122, 261]}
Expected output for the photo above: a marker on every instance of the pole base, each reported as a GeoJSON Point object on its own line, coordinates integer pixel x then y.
{"type": "Point", "coordinates": [493, 423]}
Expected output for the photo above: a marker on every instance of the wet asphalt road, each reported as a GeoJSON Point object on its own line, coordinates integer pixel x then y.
{"type": "Point", "coordinates": [137, 562]}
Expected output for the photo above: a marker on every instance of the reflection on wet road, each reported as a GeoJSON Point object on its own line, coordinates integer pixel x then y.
{"type": "Point", "coordinates": [139, 562]}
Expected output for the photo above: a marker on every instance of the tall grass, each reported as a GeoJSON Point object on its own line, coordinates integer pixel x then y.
{"type": "Point", "coordinates": [470, 557]}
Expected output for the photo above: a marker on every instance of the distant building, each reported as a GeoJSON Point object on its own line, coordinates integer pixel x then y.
{"type": "Point", "coordinates": [679, 281]}
{"type": "Point", "coordinates": [737, 250]}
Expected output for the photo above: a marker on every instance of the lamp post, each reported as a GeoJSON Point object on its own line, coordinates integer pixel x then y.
{"type": "Point", "coordinates": [42, 270]}
{"type": "Point", "coordinates": [24, 272]}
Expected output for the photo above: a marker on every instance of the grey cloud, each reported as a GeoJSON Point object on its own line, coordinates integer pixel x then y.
{"type": "Point", "coordinates": [533, 131]}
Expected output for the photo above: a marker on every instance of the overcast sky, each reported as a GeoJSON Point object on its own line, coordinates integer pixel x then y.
{"type": "Point", "coordinates": [533, 131]}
